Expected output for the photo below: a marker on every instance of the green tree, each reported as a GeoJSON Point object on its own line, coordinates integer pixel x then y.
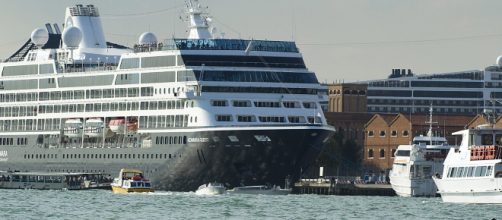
{"type": "Point", "coordinates": [341, 156]}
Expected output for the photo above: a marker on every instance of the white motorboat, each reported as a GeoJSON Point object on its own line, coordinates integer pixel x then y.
{"type": "Point", "coordinates": [260, 190]}
{"type": "Point", "coordinates": [415, 164]}
{"type": "Point", "coordinates": [211, 189]}
{"type": "Point", "coordinates": [473, 173]}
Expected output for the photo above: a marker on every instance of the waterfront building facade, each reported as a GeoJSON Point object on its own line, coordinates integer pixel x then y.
{"type": "Point", "coordinates": [385, 132]}
{"type": "Point", "coordinates": [347, 97]}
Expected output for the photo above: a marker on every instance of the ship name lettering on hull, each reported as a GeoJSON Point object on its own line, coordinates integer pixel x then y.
{"type": "Point", "coordinates": [198, 140]}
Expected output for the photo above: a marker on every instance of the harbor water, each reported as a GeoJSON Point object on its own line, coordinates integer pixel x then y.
{"type": "Point", "coordinates": [102, 204]}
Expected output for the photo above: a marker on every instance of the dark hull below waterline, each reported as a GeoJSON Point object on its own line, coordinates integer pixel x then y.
{"type": "Point", "coordinates": [247, 161]}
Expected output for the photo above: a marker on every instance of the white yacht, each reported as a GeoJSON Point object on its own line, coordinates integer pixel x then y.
{"type": "Point", "coordinates": [414, 165]}
{"type": "Point", "coordinates": [473, 173]}
{"type": "Point", "coordinates": [186, 111]}
{"type": "Point", "coordinates": [210, 189]}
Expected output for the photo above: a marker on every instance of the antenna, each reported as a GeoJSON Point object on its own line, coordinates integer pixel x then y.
{"type": "Point", "coordinates": [293, 21]}
{"type": "Point", "coordinates": [430, 122]}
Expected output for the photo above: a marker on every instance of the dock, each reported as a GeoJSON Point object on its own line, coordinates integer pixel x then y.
{"type": "Point", "coordinates": [344, 187]}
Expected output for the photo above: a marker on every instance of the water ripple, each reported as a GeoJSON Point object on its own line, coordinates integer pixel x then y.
{"type": "Point", "coordinates": [101, 204]}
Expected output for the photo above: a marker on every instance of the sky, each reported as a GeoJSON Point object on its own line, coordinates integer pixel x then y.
{"type": "Point", "coordinates": [341, 40]}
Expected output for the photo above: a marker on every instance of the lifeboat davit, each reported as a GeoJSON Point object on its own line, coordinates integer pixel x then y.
{"type": "Point", "coordinates": [73, 128]}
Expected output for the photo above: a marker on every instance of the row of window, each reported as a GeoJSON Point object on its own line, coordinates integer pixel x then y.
{"type": "Point", "coordinates": [78, 94]}
{"type": "Point", "coordinates": [19, 111]}
{"type": "Point", "coordinates": [347, 92]}
{"type": "Point", "coordinates": [393, 133]}
{"type": "Point", "coordinates": [432, 94]}
{"type": "Point", "coordinates": [49, 124]}
{"type": "Point", "coordinates": [100, 156]}
{"type": "Point", "coordinates": [171, 140]}
{"type": "Point", "coordinates": [272, 119]}
{"type": "Point", "coordinates": [53, 124]}
{"type": "Point", "coordinates": [10, 141]}
{"type": "Point", "coordinates": [244, 61]}
{"type": "Point", "coordinates": [478, 171]}
{"type": "Point", "coordinates": [7, 141]}
{"type": "Point", "coordinates": [453, 110]}
{"type": "Point", "coordinates": [282, 90]}
{"type": "Point", "coordinates": [423, 102]}
{"type": "Point", "coordinates": [165, 121]}
{"type": "Point", "coordinates": [231, 44]}
{"type": "Point", "coordinates": [371, 154]}
{"type": "Point", "coordinates": [255, 76]}
{"type": "Point", "coordinates": [264, 104]}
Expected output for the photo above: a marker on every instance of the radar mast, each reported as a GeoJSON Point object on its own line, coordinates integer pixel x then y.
{"type": "Point", "coordinates": [199, 23]}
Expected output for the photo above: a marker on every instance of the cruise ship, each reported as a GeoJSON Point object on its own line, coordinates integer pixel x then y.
{"type": "Point", "coordinates": [466, 92]}
{"type": "Point", "coordinates": [185, 111]}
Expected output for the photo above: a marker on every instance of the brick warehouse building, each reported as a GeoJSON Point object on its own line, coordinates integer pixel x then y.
{"type": "Point", "coordinates": [351, 125]}
{"type": "Point", "coordinates": [385, 132]}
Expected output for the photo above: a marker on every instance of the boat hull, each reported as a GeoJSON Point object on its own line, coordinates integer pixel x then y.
{"type": "Point", "coordinates": [473, 197]}
{"type": "Point", "coordinates": [405, 187]}
{"type": "Point", "coordinates": [117, 189]}
{"type": "Point", "coordinates": [210, 191]}
{"type": "Point", "coordinates": [208, 155]}
{"type": "Point", "coordinates": [482, 190]}
{"type": "Point", "coordinates": [249, 163]}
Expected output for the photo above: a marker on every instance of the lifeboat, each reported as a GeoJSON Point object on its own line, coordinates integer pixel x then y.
{"type": "Point", "coordinates": [117, 125]}
{"type": "Point", "coordinates": [132, 125]}
{"type": "Point", "coordinates": [94, 127]}
{"type": "Point", "coordinates": [73, 128]}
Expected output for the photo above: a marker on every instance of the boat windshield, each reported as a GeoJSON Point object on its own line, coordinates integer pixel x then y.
{"type": "Point", "coordinates": [402, 153]}
{"type": "Point", "coordinates": [421, 142]}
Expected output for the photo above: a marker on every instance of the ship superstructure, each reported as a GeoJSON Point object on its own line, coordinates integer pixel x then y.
{"type": "Point", "coordinates": [465, 92]}
{"type": "Point", "coordinates": [185, 111]}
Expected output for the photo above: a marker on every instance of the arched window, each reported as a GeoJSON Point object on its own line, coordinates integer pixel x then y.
{"type": "Point", "coordinates": [371, 134]}
{"type": "Point", "coordinates": [382, 153]}
{"type": "Point", "coordinates": [370, 153]}
{"type": "Point", "coordinates": [393, 133]}
{"type": "Point", "coordinates": [382, 133]}
{"type": "Point", "coordinates": [405, 133]}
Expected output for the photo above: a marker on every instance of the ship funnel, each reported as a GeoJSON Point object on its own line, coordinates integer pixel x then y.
{"type": "Point", "coordinates": [87, 20]}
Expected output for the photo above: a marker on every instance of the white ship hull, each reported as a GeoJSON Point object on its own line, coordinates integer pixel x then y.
{"type": "Point", "coordinates": [479, 190]}
{"type": "Point", "coordinates": [405, 187]}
